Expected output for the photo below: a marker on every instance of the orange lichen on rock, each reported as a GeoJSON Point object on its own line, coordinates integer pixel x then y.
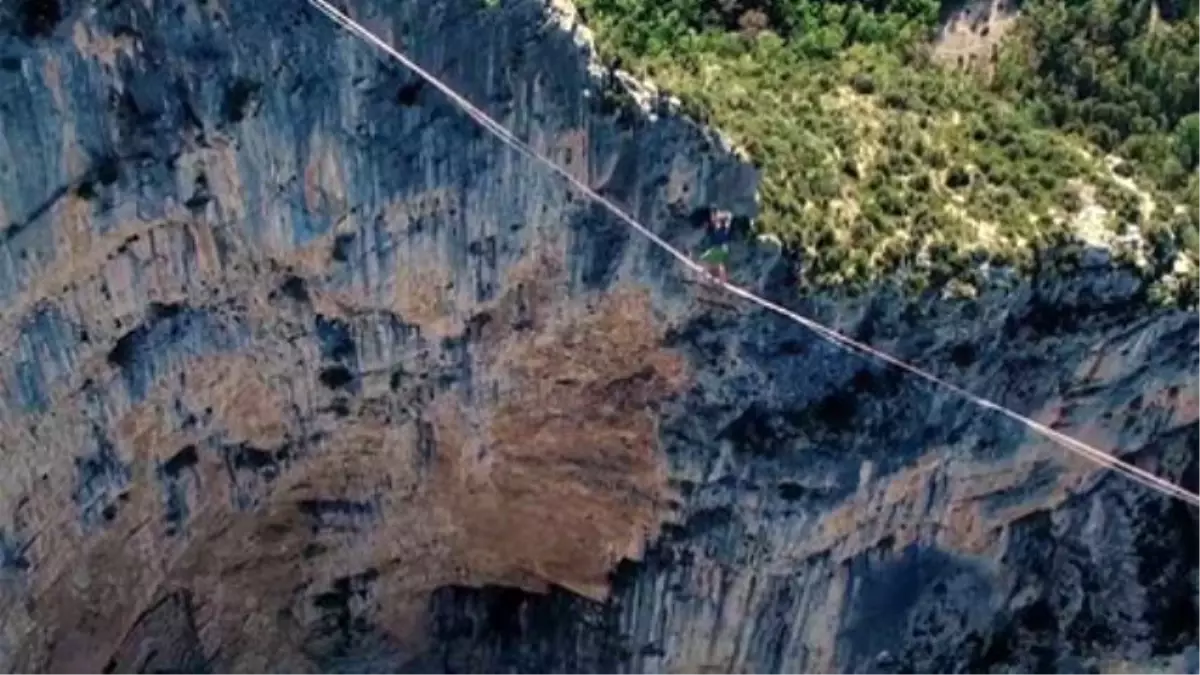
{"type": "Point", "coordinates": [894, 506]}
{"type": "Point", "coordinates": [544, 470]}
{"type": "Point", "coordinates": [563, 477]}
{"type": "Point", "coordinates": [422, 294]}
{"type": "Point", "coordinates": [324, 187]}
{"type": "Point", "coordinates": [102, 48]}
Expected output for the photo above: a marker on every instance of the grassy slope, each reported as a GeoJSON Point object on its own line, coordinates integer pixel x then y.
{"type": "Point", "coordinates": [878, 165]}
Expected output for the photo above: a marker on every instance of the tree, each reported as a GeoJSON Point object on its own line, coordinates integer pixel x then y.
{"type": "Point", "coordinates": [1187, 139]}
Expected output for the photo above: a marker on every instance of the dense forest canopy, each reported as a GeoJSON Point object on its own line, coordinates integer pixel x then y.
{"type": "Point", "coordinates": [1122, 73]}
{"type": "Point", "coordinates": [881, 165]}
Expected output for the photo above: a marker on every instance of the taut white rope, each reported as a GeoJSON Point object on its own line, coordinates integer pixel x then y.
{"type": "Point", "coordinates": [1078, 447]}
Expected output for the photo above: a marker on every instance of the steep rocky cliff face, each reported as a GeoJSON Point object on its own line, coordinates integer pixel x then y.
{"type": "Point", "coordinates": [302, 371]}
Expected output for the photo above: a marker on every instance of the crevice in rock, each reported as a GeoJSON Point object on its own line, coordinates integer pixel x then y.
{"type": "Point", "coordinates": [39, 18]}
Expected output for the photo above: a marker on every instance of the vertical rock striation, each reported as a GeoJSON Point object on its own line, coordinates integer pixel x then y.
{"type": "Point", "coordinates": [302, 371]}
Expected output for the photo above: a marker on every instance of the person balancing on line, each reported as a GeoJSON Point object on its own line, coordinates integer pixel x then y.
{"type": "Point", "coordinates": [714, 257]}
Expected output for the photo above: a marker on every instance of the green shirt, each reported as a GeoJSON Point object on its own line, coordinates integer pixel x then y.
{"type": "Point", "coordinates": [716, 255]}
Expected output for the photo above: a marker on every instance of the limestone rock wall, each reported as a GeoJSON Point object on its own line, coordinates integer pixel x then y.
{"type": "Point", "coordinates": [302, 371]}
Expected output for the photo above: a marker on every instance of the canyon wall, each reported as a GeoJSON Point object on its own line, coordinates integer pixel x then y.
{"type": "Point", "coordinates": [302, 371]}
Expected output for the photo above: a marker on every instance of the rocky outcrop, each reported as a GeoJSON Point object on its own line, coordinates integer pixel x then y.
{"type": "Point", "coordinates": [302, 371]}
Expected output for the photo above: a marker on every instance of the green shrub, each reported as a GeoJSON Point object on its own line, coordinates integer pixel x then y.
{"type": "Point", "coordinates": [863, 84]}
{"type": "Point", "coordinates": [958, 178]}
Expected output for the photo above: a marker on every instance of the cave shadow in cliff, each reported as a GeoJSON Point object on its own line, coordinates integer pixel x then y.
{"type": "Point", "coordinates": [832, 400]}
{"type": "Point", "coordinates": [827, 410]}
{"type": "Point", "coordinates": [1080, 608]}
{"type": "Point", "coordinates": [502, 629]}
{"type": "Point", "coordinates": [35, 19]}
